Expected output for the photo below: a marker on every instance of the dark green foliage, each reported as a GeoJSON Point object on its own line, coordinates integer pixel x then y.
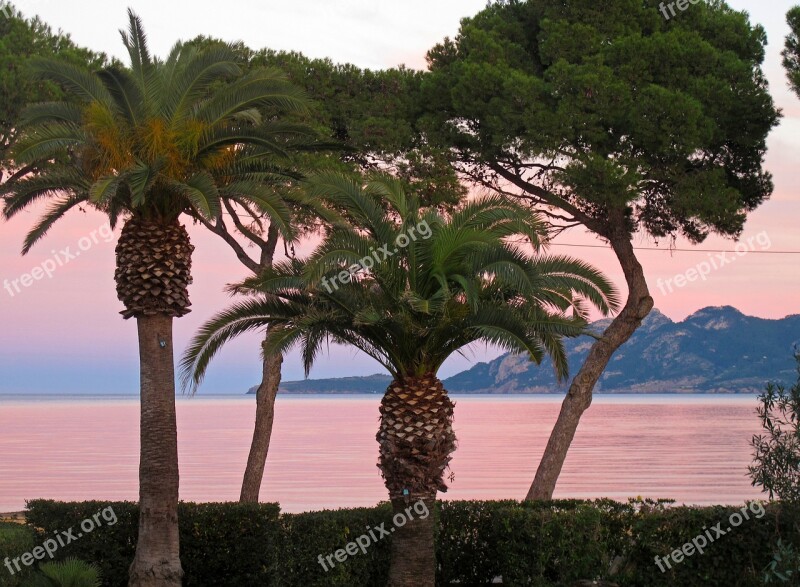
{"type": "Point", "coordinates": [791, 52]}
{"type": "Point", "coordinates": [784, 568]}
{"type": "Point", "coordinates": [235, 543]}
{"type": "Point", "coordinates": [21, 40]}
{"type": "Point", "coordinates": [582, 543]}
{"type": "Point", "coordinates": [308, 535]}
{"type": "Point", "coordinates": [372, 115]}
{"type": "Point", "coordinates": [608, 111]}
{"type": "Point", "coordinates": [466, 551]}
{"type": "Point", "coordinates": [67, 573]}
{"type": "Point", "coordinates": [531, 543]}
{"type": "Point", "coordinates": [776, 466]}
{"type": "Point", "coordinates": [14, 540]}
{"type": "Point", "coordinates": [111, 548]}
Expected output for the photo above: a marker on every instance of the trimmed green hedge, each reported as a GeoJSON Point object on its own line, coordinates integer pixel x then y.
{"type": "Point", "coordinates": [308, 535]}
{"type": "Point", "coordinates": [540, 543]}
{"type": "Point", "coordinates": [221, 543]}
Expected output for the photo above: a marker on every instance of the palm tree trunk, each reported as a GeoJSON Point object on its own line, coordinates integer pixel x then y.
{"type": "Point", "coordinates": [413, 558]}
{"type": "Point", "coordinates": [579, 396]}
{"type": "Point", "coordinates": [265, 415]}
{"type": "Point", "coordinates": [416, 441]}
{"type": "Point", "coordinates": [157, 561]}
{"type": "Point", "coordinates": [267, 390]}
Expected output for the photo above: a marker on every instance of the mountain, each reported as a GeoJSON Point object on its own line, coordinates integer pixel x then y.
{"type": "Point", "coordinates": [368, 384]}
{"type": "Point", "coordinates": [714, 350]}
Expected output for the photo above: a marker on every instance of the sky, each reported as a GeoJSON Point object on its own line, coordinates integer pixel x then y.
{"type": "Point", "coordinates": [63, 333]}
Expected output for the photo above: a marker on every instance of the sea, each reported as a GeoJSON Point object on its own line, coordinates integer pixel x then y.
{"type": "Point", "coordinates": [692, 448]}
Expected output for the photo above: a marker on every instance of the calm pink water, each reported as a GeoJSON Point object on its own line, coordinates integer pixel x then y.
{"type": "Point", "coordinates": [691, 448]}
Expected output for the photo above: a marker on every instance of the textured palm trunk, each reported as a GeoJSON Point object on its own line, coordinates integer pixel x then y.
{"type": "Point", "coordinates": [265, 415]}
{"type": "Point", "coordinates": [157, 561]}
{"type": "Point", "coordinates": [153, 273]}
{"type": "Point", "coordinates": [579, 396]}
{"type": "Point", "coordinates": [416, 441]}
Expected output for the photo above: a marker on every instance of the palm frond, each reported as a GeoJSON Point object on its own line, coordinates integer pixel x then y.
{"type": "Point", "coordinates": [53, 214]}
{"type": "Point", "coordinates": [241, 317]}
{"type": "Point", "coordinates": [45, 142]}
{"type": "Point", "coordinates": [79, 82]}
{"type": "Point", "coordinates": [194, 73]}
{"type": "Point", "coordinates": [126, 93]}
{"type": "Point", "coordinates": [202, 192]}
{"type": "Point", "coordinates": [46, 112]}
{"type": "Point", "coordinates": [261, 88]}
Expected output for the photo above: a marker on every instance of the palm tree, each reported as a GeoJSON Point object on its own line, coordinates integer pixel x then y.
{"type": "Point", "coordinates": [435, 284]}
{"type": "Point", "coordinates": [149, 143]}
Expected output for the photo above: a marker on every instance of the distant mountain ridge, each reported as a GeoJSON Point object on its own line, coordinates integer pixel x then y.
{"type": "Point", "coordinates": [376, 383]}
{"type": "Point", "coordinates": [715, 350]}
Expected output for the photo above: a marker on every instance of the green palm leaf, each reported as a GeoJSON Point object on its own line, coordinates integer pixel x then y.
{"type": "Point", "coordinates": [462, 283]}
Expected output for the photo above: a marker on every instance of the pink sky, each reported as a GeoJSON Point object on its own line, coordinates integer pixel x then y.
{"type": "Point", "coordinates": [64, 334]}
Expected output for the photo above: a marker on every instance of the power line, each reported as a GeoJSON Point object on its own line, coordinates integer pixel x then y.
{"type": "Point", "coordinates": [679, 250]}
{"type": "Point", "coordinates": [663, 250]}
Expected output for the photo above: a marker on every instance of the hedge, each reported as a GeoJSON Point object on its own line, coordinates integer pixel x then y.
{"type": "Point", "coordinates": [554, 543]}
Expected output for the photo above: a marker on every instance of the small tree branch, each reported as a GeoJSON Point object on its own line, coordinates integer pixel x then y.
{"type": "Point", "coordinates": [220, 229]}
{"type": "Point", "coordinates": [252, 236]}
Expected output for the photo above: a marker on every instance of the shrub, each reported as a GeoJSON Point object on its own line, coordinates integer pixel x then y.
{"type": "Point", "coordinates": [466, 542]}
{"type": "Point", "coordinates": [14, 540]}
{"type": "Point", "coordinates": [111, 548]}
{"type": "Point", "coordinates": [776, 462]}
{"type": "Point", "coordinates": [69, 573]}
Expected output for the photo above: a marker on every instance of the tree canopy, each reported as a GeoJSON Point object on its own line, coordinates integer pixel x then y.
{"type": "Point", "coordinates": [22, 39]}
{"type": "Point", "coordinates": [791, 52]}
{"type": "Point", "coordinates": [610, 111]}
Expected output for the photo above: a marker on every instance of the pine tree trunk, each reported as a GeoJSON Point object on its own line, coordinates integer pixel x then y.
{"type": "Point", "coordinates": [416, 442]}
{"type": "Point", "coordinates": [579, 396]}
{"type": "Point", "coordinates": [157, 561]}
{"type": "Point", "coordinates": [262, 433]}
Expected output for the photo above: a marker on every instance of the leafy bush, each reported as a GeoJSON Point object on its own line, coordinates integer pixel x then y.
{"type": "Point", "coordinates": [14, 540]}
{"type": "Point", "coordinates": [784, 566]}
{"type": "Point", "coordinates": [547, 543]}
{"type": "Point", "coordinates": [111, 548]}
{"type": "Point", "coordinates": [69, 573]}
{"type": "Point", "coordinates": [776, 466]}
